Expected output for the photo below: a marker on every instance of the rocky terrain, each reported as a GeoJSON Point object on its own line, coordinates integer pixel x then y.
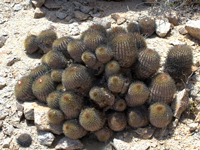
{"type": "Point", "coordinates": [18, 18]}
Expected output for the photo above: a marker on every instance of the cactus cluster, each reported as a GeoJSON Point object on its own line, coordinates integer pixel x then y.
{"type": "Point", "coordinates": [104, 81]}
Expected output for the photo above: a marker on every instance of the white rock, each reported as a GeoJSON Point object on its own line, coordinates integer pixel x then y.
{"type": "Point", "coordinates": [29, 110]}
{"type": "Point", "coordinates": [39, 13]}
{"type": "Point", "coordinates": [193, 28]}
{"type": "Point", "coordinates": [193, 126]}
{"type": "Point", "coordinates": [46, 138]}
{"type": "Point", "coordinates": [121, 145]}
{"type": "Point", "coordinates": [41, 121]}
{"type": "Point", "coordinates": [162, 27]}
{"type": "Point", "coordinates": [3, 114]}
{"type": "Point", "coordinates": [6, 143]}
{"type": "Point", "coordinates": [69, 144]}
{"type": "Point", "coordinates": [38, 3]}
{"type": "Point", "coordinates": [140, 146]}
{"type": "Point", "coordinates": [17, 7]}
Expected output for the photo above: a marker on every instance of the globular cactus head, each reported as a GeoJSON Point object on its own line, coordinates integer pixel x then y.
{"type": "Point", "coordinates": [114, 31]}
{"type": "Point", "coordinates": [112, 68]}
{"type": "Point", "coordinates": [55, 60]}
{"type": "Point", "coordinates": [140, 42]}
{"type": "Point", "coordinates": [61, 45]}
{"type": "Point", "coordinates": [97, 94]}
{"type": "Point", "coordinates": [137, 117]}
{"type": "Point", "coordinates": [30, 44]}
{"type": "Point", "coordinates": [137, 94]}
{"type": "Point", "coordinates": [160, 114]}
{"type": "Point", "coordinates": [53, 99]}
{"type": "Point", "coordinates": [39, 71]}
{"type": "Point", "coordinates": [162, 88]}
{"type": "Point", "coordinates": [43, 86]}
{"type": "Point", "coordinates": [116, 83]}
{"type": "Point", "coordinates": [77, 77]}
{"type": "Point", "coordinates": [75, 49]}
{"type": "Point", "coordinates": [23, 89]}
{"type": "Point", "coordinates": [71, 104]}
{"type": "Point", "coordinates": [119, 105]}
{"type": "Point", "coordinates": [101, 29]}
{"type": "Point", "coordinates": [179, 62]}
{"type": "Point", "coordinates": [55, 116]}
{"type": "Point", "coordinates": [103, 53]}
{"type": "Point", "coordinates": [147, 26]}
{"type": "Point", "coordinates": [89, 58]}
{"type": "Point", "coordinates": [91, 119]}
{"type": "Point", "coordinates": [56, 75]}
{"type": "Point", "coordinates": [45, 40]}
{"type": "Point", "coordinates": [24, 140]}
{"type": "Point", "coordinates": [124, 49]}
{"type": "Point", "coordinates": [117, 121]}
{"type": "Point", "coordinates": [73, 130]}
{"type": "Point", "coordinates": [133, 27]}
{"type": "Point", "coordinates": [104, 134]}
{"type": "Point", "coordinates": [93, 40]}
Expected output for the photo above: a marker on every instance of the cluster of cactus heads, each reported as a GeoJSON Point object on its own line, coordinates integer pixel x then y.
{"type": "Point", "coordinates": [103, 81]}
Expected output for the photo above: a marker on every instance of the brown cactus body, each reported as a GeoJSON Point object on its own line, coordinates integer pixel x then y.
{"type": "Point", "coordinates": [55, 116]}
{"type": "Point", "coordinates": [103, 53]}
{"type": "Point", "coordinates": [103, 134]}
{"type": "Point", "coordinates": [133, 28]}
{"type": "Point", "coordinates": [160, 114]}
{"type": "Point", "coordinates": [53, 99]}
{"type": "Point", "coordinates": [179, 62]}
{"type": "Point", "coordinates": [112, 68]}
{"type": "Point", "coordinates": [137, 94]}
{"type": "Point", "coordinates": [30, 44]}
{"type": "Point", "coordinates": [39, 71]}
{"type": "Point", "coordinates": [91, 119]}
{"type": "Point", "coordinates": [147, 26]}
{"type": "Point", "coordinates": [162, 88]}
{"type": "Point", "coordinates": [61, 45]}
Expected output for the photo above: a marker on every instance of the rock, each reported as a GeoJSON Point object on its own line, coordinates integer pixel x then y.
{"type": "Point", "coordinates": [61, 15]}
{"type": "Point", "coordinates": [86, 9]}
{"type": "Point", "coordinates": [102, 21]}
{"type": "Point", "coordinates": [11, 60]}
{"type": "Point", "coordinates": [39, 13]}
{"type": "Point", "coordinates": [120, 145]}
{"type": "Point", "coordinates": [119, 19]}
{"type": "Point", "coordinates": [2, 41]}
{"type": "Point", "coordinates": [193, 28]}
{"type": "Point", "coordinates": [177, 42]}
{"type": "Point", "coordinates": [172, 17]}
{"type": "Point", "coordinates": [3, 114]}
{"type": "Point", "coordinates": [41, 122]}
{"type": "Point", "coordinates": [69, 17]}
{"type": "Point", "coordinates": [46, 138]}
{"type": "Point", "coordinates": [149, 133]}
{"type": "Point", "coordinates": [8, 129]}
{"type": "Point", "coordinates": [180, 104]}
{"type": "Point", "coordinates": [141, 131]}
{"type": "Point", "coordinates": [81, 16]}
{"type": "Point", "coordinates": [50, 4]}
{"type": "Point", "coordinates": [6, 143]}
{"type": "Point", "coordinates": [73, 29]}
{"type": "Point", "coordinates": [162, 27]}
{"type": "Point", "coordinates": [92, 3]}
{"type": "Point", "coordinates": [20, 107]}
{"type": "Point", "coordinates": [193, 126]}
{"type": "Point", "coordinates": [2, 82]}
{"type": "Point", "coordinates": [17, 7]}
{"type": "Point", "coordinates": [197, 119]}
{"type": "Point", "coordinates": [38, 3]}
{"type": "Point", "coordinates": [69, 144]}
{"type": "Point", "coordinates": [1, 124]}
{"type": "Point", "coordinates": [29, 110]}
{"type": "Point", "coordinates": [182, 30]}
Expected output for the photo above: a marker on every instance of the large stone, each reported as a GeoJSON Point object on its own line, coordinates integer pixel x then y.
{"type": "Point", "coordinates": [46, 138]}
{"type": "Point", "coordinates": [173, 17]}
{"type": "Point", "coordinates": [38, 3]}
{"type": "Point", "coordinates": [42, 123]}
{"type": "Point", "coordinates": [180, 104]}
{"type": "Point", "coordinates": [3, 114]}
{"type": "Point", "coordinates": [86, 9]}
{"type": "Point", "coordinates": [29, 110]}
{"type": "Point", "coordinates": [103, 21]}
{"type": "Point", "coordinates": [119, 19]}
{"type": "Point", "coordinates": [143, 145]}
{"type": "Point", "coordinates": [193, 28]}
{"type": "Point", "coordinates": [81, 16]}
{"type": "Point", "coordinates": [69, 144]}
{"type": "Point", "coordinates": [121, 145]}
{"type": "Point", "coordinates": [162, 27]}
{"type": "Point", "coordinates": [50, 4]}
{"type": "Point", "coordinates": [39, 13]}
{"type": "Point", "coordinates": [17, 7]}
{"type": "Point", "coordinates": [60, 14]}
{"type": "Point", "coordinates": [8, 129]}
{"type": "Point", "coordinates": [6, 143]}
